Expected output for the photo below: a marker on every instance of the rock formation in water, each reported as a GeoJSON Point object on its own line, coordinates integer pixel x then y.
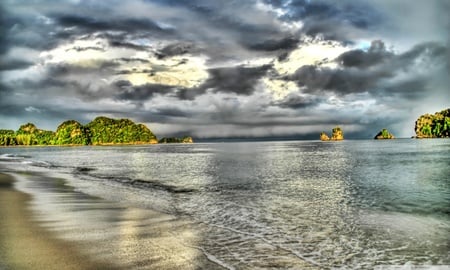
{"type": "Point", "coordinates": [186, 139]}
{"type": "Point", "coordinates": [337, 135]}
{"type": "Point", "coordinates": [433, 125]}
{"type": "Point", "coordinates": [100, 131]}
{"type": "Point", "coordinates": [384, 134]}
{"type": "Point", "coordinates": [324, 137]}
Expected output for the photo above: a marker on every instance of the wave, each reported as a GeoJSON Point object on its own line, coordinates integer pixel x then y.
{"type": "Point", "coordinates": [36, 163]}
{"type": "Point", "coordinates": [24, 160]}
{"type": "Point", "coordinates": [83, 170]}
{"type": "Point", "coordinates": [138, 183]}
{"type": "Point", "coordinates": [13, 156]}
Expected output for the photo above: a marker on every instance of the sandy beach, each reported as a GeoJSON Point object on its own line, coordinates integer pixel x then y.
{"type": "Point", "coordinates": [25, 245]}
{"type": "Point", "coordinates": [82, 232]}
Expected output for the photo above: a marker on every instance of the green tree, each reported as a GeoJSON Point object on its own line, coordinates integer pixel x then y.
{"type": "Point", "coordinates": [116, 131]}
{"type": "Point", "coordinates": [426, 130]}
{"type": "Point", "coordinates": [72, 132]}
{"type": "Point", "coordinates": [7, 137]}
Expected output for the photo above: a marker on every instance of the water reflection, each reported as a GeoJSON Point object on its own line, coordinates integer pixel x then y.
{"type": "Point", "coordinates": [279, 204]}
{"type": "Point", "coordinates": [125, 236]}
{"type": "Point", "coordinates": [294, 205]}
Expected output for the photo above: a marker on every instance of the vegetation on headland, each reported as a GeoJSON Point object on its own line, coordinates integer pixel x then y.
{"type": "Point", "coordinates": [433, 125]}
{"type": "Point", "coordinates": [384, 134]}
{"type": "Point", "coordinates": [72, 132]}
{"type": "Point", "coordinates": [336, 135]}
{"type": "Point", "coordinates": [27, 134]}
{"type": "Point", "coordinates": [105, 130]}
{"type": "Point", "coordinates": [101, 131]}
{"type": "Point", "coordinates": [186, 139]}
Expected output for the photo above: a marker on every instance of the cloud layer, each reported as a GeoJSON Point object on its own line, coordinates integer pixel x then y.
{"type": "Point", "coordinates": [259, 68]}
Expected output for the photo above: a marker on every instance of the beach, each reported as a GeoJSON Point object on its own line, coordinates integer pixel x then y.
{"type": "Point", "coordinates": [25, 245]}
{"type": "Point", "coordinates": [124, 238]}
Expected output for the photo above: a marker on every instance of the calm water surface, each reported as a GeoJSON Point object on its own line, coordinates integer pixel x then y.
{"type": "Point", "coordinates": [272, 204]}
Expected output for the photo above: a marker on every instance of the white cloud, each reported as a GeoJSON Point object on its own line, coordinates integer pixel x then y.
{"type": "Point", "coordinates": [184, 71]}
{"type": "Point", "coordinates": [311, 52]}
{"type": "Point", "coordinates": [279, 89]}
{"type": "Point", "coordinates": [32, 109]}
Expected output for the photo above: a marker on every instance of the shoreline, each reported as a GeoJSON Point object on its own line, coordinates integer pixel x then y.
{"type": "Point", "coordinates": [26, 245]}
{"type": "Point", "coordinates": [88, 145]}
{"type": "Point", "coordinates": [46, 224]}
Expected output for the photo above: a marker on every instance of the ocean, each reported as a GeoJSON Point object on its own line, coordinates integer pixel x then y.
{"type": "Point", "coordinates": [246, 205]}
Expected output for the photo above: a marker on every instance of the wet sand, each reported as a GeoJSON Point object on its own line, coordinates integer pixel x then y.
{"type": "Point", "coordinates": [25, 245]}
{"type": "Point", "coordinates": [45, 224]}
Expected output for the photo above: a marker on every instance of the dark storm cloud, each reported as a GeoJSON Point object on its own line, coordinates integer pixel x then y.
{"type": "Point", "coordinates": [362, 59]}
{"type": "Point", "coordinates": [230, 29]}
{"type": "Point", "coordinates": [5, 91]}
{"type": "Point", "coordinates": [130, 92]}
{"type": "Point", "coordinates": [62, 69]}
{"type": "Point", "coordinates": [5, 25]}
{"type": "Point", "coordinates": [25, 30]}
{"type": "Point", "coordinates": [288, 43]}
{"type": "Point", "coordinates": [118, 24]}
{"type": "Point", "coordinates": [128, 45]}
{"type": "Point", "coordinates": [189, 94]}
{"type": "Point", "coordinates": [176, 49]}
{"type": "Point", "coordinates": [294, 101]}
{"type": "Point", "coordinates": [46, 32]}
{"type": "Point", "coordinates": [341, 81]}
{"type": "Point", "coordinates": [58, 86]}
{"type": "Point", "coordinates": [82, 49]}
{"type": "Point", "coordinates": [128, 60]}
{"type": "Point", "coordinates": [430, 50]}
{"type": "Point", "coordinates": [413, 89]}
{"type": "Point", "coordinates": [13, 64]}
{"type": "Point", "coordinates": [368, 71]}
{"type": "Point", "coordinates": [331, 19]}
{"type": "Point", "coordinates": [173, 112]}
{"type": "Point", "coordinates": [240, 80]}
{"type": "Point", "coordinates": [13, 109]}
{"type": "Point", "coordinates": [221, 29]}
{"type": "Point", "coordinates": [117, 39]}
{"type": "Point", "coordinates": [134, 71]}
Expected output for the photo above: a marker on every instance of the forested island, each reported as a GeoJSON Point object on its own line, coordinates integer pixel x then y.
{"type": "Point", "coordinates": [101, 131]}
{"type": "Point", "coordinates": [384, 134]}
{"type": "Point", "coordinates": [433, 125]}
{"type": "Point", "coordinates": [336, 135]}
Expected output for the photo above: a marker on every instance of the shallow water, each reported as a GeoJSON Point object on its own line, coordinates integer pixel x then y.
{"type": "Point", "coordinates": [348, 204]}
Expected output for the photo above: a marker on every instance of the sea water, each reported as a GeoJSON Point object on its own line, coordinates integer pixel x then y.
{"type": "Point", "coordinates": [350, 204]}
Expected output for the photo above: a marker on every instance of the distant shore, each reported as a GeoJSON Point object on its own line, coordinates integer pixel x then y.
{"type": "Point", "coordinates": [25, 245]}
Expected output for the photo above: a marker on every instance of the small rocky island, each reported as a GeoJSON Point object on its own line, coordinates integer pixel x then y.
{"type": "Point", "coordinates": [336, 135]}
{"type": "Point", "coordinates": [435, 125]}
{"type": "Point", "coordinates": [101, 131]}
{"type": "Point", "coordinates": [384, 134]}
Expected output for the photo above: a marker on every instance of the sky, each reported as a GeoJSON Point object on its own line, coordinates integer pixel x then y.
{"type": "Point", "coordinates": [218, 69]}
